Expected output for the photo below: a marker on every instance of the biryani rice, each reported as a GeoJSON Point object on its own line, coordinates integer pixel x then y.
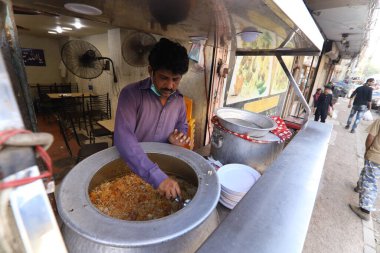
{"type": "Point", "coordinates": [131, 198]}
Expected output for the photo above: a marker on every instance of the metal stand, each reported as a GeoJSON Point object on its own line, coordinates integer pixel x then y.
{"type": "Point", "coordinates": [296, 89]}
{"type": "Point", "coordinates": [34, 218]}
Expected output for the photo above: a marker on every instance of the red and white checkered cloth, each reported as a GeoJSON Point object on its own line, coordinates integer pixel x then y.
{"type": "Point", "coordinates": [281, 131]}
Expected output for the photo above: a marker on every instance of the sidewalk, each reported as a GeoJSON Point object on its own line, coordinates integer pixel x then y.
{"type": "Point", "coordinates": [334, 227]}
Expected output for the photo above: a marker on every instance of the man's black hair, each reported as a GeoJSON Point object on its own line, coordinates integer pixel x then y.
{"type": "Point", "coordinates": [169, 55]}
{"type": "Point", "coordinates": [370, 80]}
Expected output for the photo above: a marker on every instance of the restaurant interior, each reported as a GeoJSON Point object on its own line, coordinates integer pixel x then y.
{"type": "Point", "coordinates": [77, 105]}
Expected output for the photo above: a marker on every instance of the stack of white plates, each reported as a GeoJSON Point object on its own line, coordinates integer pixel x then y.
{"type": "Point", "coordinates": [236, 180]}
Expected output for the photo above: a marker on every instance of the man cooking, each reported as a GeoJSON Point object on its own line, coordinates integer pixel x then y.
{"type": "Point", "coordinates": [153, 110]}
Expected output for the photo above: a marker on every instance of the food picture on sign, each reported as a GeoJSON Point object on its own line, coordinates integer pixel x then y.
{"type": "Point", "coordinates": [280, 81]}
{"type": "Point", "coordinates": [252, 74]}
{"type": "Point", "coordinates": [33, 57]}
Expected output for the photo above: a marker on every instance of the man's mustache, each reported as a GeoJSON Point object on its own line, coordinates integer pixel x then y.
{"type": "Point", "coordinates": [168, 90]}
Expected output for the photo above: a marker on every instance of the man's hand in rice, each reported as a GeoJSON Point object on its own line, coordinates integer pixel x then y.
{"type": "Point", "coordinates": [169, 188]}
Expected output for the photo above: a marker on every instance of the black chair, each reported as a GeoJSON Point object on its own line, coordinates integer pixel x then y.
{"type": "Point", "coordinates": [63, 88]}
{"type": "Point", "coordinates": [74, 87]}
{"type": "Point", "coordinates": [68, 132]}
{"type": "Point", "coordinates": [73, 108]}
{"type": "Point", "coordinates": [98, 108]}
{"type": "Point", "coordinates": [44, 104]}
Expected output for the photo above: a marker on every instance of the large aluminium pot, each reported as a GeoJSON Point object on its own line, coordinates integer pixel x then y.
{"type": "Point", "coordinates": [245, 122]}
{"type": "Point", "coordinates": [229, 148]}
{"type": "Point", "coordinates": [88, 230]}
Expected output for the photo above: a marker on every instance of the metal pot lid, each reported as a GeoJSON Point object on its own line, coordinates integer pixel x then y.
{"type": "Point", "coordinates": [245, 122]}
{"type": "Point", "coordinates": [77, 211]}
{"type": "Point", "coordinates": [267, 138]}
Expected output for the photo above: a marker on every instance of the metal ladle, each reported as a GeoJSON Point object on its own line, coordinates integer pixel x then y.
{"type": "Point", "coordinates": [182, 202]}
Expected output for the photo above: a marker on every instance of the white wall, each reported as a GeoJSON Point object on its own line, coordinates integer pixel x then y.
{"type": "Point", "coordinates": [43, 74]}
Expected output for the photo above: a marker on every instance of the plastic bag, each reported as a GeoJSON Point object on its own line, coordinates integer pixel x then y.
{"type": "Point", "coordinates": [368, 116]}
{"type": "Point", "coordinates": [330, 111]}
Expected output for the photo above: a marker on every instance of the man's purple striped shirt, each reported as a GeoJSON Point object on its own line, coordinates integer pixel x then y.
{"type": "Point", "coordinates": [140, 117]}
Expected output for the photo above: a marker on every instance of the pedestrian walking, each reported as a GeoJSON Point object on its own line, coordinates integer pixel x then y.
{"type": "Point", "coordinates": [362, 103]}
{"type": "Point", "coordinates": [323, 103]}
{"type": "Point", "coordinates": [367, 183]}
{"type": "Point", "coordinates": [315, 98]}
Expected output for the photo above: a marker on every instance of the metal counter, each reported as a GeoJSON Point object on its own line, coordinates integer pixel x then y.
{"type": "Point", "coordinates": [274, 215]}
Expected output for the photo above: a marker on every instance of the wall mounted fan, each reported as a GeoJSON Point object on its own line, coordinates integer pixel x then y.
{"type": "Point", "coordinates": [84, 60]}
{"type": "Point", "coordinates": [136, 48]}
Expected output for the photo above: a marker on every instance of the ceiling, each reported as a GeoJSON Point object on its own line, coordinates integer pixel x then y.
{"type": "Point", "coordinates": [192, 17]}
{"type": "Point", "coordinates": [334, 17]}
{"type": "Point", "coordinates": [349, 17]}
{"type": "Point", "coordinates": [39, 25]}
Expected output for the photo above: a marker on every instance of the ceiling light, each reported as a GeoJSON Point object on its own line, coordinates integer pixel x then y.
{"type": "Point", "coordinates": [59, 29]}
{"type": "Point", "coordinates": [67, 28]}
{"type": "Point", "coordinates": [249, 34]}
{"type": "Point", "coordinates": [83, 9]}
{"type": "Point", "coordinates": [52, 32]}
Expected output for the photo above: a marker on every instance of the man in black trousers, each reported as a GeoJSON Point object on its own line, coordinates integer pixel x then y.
{"type": "Point", "coordinates": [323, 104]}
{"type": "Point", "coordinates": [362, 102]}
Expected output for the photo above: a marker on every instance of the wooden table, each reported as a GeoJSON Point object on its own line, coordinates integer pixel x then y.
{"type": "Point", "coordinates": [108, 124]}
{"type": "Point", "coordinates": [69, 95]}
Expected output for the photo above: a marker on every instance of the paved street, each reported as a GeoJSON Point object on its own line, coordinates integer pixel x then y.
{"type": "Point", "coordinates": [334, 227]}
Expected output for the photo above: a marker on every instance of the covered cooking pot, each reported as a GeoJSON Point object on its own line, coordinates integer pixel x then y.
{"type": "Point", "coordinates": [245, 122]}
{"type": "Point", "coordinates": [232, 138]}
{"type": "Point", "coordinates": [86, 229]}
